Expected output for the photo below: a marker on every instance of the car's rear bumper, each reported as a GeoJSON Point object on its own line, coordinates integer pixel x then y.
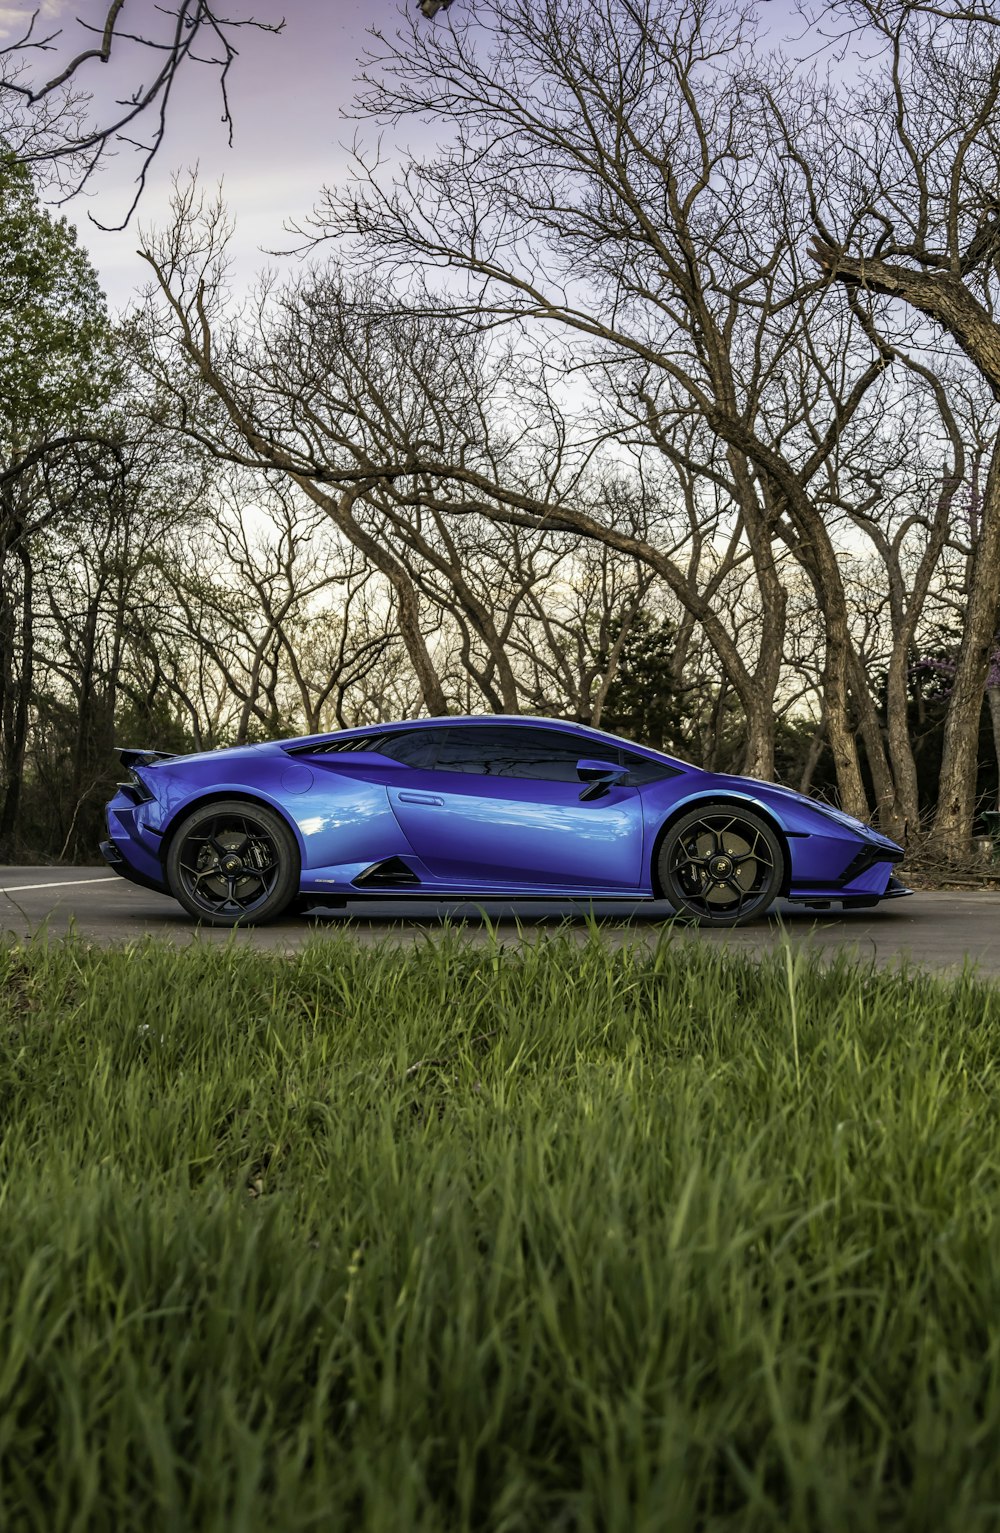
{"type": "Point", "coordinates": [133, 846]}
{"type": "Point", "coordinates": [119, 864]}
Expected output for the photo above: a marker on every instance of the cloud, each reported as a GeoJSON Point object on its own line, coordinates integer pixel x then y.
{"type": "Point", "coordinates": [14, 18]}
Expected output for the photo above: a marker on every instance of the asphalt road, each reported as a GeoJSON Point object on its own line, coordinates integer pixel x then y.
{"type": "Point", "coordinates": [939, 931]}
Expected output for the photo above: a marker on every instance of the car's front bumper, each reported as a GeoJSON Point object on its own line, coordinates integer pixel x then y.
{"type": "Point", "coordinates": [880, 882]}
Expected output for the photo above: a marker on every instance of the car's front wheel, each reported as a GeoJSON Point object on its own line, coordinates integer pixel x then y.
{"type": "Point", "coordinates": [721, 865]}
{"type": "Point", "coordinates": [233, 862]}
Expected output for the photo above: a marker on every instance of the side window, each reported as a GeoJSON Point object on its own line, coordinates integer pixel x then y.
{"type": "Point", "coordinates": [509, 750]}
{"type": "Point", "coordinates": [482, 749]}
{"type": "Point", "coordinates": [551, 756]}
{"type": "Point", "coordinates": [411, 747]}
{"type": "Point", "coordinates": [643, 769]}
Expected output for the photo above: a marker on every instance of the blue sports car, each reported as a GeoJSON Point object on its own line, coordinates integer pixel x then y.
{"type": "Point", "coordinates": [475, 808]}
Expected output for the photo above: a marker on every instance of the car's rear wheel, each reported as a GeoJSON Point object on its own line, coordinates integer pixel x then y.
{"type": "Point", "coordinates": [233, 863]}
{"type": "Point", "coordinates": [721, 865]}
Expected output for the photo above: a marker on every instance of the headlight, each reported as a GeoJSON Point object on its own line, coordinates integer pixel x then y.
{"type": "Point", "coordinates": [844, 819]}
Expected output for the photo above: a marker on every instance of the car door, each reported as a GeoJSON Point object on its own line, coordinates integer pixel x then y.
{"type": "Point", "coordinates": [501, 806]}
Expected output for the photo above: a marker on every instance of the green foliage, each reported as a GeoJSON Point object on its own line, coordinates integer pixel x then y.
{"type": "Point", "coordinates": [460, 1238]}
{"type": "Point", "coordinates": [153, 725]}
{"type": "Point", "coordinates": [644, 700]}
{"type": "Point", "coordinates": [57, 359]}
{"type": "Point", "coordinates": [793, 740]}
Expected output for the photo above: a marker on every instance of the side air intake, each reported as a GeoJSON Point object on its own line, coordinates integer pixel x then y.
{"type": "Point", "coordinates": [865, 859]}
{"type": "Point", "coordinates": [390, 873]}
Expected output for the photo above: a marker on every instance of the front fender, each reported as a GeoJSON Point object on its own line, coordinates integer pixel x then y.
{"type": "Point", "coordinates": [818, 849]}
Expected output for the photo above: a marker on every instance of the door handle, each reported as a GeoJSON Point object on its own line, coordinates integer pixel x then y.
{"type": "Point", "coordinates": [420, 798]}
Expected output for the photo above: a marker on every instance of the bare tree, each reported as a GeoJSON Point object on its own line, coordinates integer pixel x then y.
{"type": "Point", "coordinates": [612, 178]}
{"type": "Point", "coordinates": [905, 205]}
{"type": "Point", "coordinates": [281, 611]}
{"type": "Point", "coordinates": [47, 115]}
{"type": "Point", "coordinates": [275, 400]}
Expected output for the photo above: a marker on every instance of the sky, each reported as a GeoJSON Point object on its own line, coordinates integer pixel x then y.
{"type": "Point", "coordinates": [285, 92]}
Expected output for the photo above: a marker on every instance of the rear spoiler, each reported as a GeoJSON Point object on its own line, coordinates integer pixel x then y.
{"type": "Point", "coordinates": [131, 758]}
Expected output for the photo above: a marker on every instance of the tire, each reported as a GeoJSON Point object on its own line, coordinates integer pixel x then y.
{"type": "Point", "coordinates": [721, 865]}
{"type": "Point", "coordinates": [233, 863]}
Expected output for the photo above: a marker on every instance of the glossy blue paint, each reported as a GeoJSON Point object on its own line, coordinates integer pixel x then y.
{"type": "Point", "coordinates": [521, 832]}
{"type": "Point", "coordinates": [458, 831]}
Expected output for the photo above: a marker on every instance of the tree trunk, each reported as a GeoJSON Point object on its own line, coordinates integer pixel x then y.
{"type": "Point", "coordinates": [20, 678]}
{"type": "Point", "coordinates": [839, 733]}
{"type": "Point", "coordinates": [993, 696]}
{"type": "Point", "coordinates": [758, 755]}
{"type": "Point", "coordinates": [904, 767]}
{"type": "Point", "coordinates": [906, 615]}
{"type": "Point", "coordinates": [815, 553]}
{"type": "Point", "coordinates": [888, 795]}
{"type": "Point", "coordinates": [759, 525]}
{"type": "Point", "coordinates": [960, 755]}
{"type": "Point", "coordinates": [813, 754]}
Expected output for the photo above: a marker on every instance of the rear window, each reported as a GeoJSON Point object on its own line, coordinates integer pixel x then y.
{"type": "Point", "coordinates": [339, 745]}
{"type": "Point", "coordinates": [410, 747]}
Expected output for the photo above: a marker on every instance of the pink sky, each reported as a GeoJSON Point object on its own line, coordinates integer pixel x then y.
{"type": "Point", "coordinates": [285, 92]}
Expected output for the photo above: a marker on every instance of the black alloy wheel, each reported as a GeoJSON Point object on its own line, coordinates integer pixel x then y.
{"type": "Point", "coordinates": [233, 863]}
{"type": "Point", "coordinates": [721, 865]}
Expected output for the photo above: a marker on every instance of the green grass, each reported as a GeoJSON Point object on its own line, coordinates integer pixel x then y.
{"type": "Point", "coordinates": [462, 1238]}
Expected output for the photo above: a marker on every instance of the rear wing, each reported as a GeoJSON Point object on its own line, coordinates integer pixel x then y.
{"type": "Point", "coordinates": [131, 758]}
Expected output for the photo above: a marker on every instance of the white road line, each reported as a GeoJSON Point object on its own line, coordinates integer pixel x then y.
{"type": "Point", "coordinates": [65, 884]}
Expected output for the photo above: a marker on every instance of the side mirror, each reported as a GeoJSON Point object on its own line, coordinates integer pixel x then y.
{"type": "Point", "coordinates": [599, 771]}
{"type": "Point", "coordinates": [599, 776]}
